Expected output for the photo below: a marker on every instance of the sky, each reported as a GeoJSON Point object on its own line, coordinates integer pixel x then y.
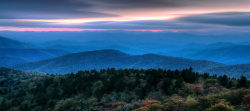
{"type": "Point", "coordinates": [155, 16]}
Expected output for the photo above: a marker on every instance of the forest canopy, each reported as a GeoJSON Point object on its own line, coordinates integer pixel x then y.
{"type": "Point", "coordinates": [122, 90]}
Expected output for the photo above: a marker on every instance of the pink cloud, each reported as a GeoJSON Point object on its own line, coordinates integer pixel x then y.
{"type": "Point", "coordinates": [36, 29]}
{"type": "Point", "coordinates": [164, 30]}
{"type": "Point", "coordinates": [143, 30]}
{"type": "Point", "coordinates": [22, 29]}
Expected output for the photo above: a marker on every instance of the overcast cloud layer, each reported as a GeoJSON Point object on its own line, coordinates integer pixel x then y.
{"type": "Point", "coordinates": [229, 19]}
{"type": "Point", "coordinates": [129, 15]}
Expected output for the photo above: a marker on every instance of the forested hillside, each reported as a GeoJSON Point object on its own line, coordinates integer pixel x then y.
{"type": "Point", "coordinates": [10, 77]}
{"type": "Point", "coordinates": [102, 59]}
{"type": "Point", "coordinates": [112, 58]}
{"type": "Point", "coordinates": [125, 90]}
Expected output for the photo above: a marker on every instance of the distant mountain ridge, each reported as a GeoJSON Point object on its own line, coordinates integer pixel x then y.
{"type": "Point", "coordinates": [209, 46]}
{"type": "Point", "coordinates": [13, 52]}
{"type": "Point", "coordinates": [9, 43]}
{"type": "Point", "coordinates": [239, 54]}
{"type": "Point", "coordinates": [10, 61]}
{"type": "Point", "coordinates": [227, 54]}
{"type": "Point", "coordinates": [32, 54]}
{"type": "Point", "coordinates": [112, 58]}
{"type": "Point", "coordinates": [232, 70]}
{"type": "Point", "coordinates": [28, 55]}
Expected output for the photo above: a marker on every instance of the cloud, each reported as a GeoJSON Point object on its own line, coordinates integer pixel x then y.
{"type": "Point", "coordinates": [53, 15]}
{"type": "Point", "coordinates": [47, 9]}
{"type": "Point", "coordinates": [128, 15]}
{"type": "Point", "coordinates": [228, 19]}
{"type": "Point", "coordinates": [48, 29]}
{"type": "Point", "coordinates": [180, 25]}
{"type": "Point", "coordinates": [67, 9]}
{"type": "Point", "coordinates": [139, 24]}
{"type": "Point", "coordinates": [21, 29]}
{"type": "Point", "coordinates": [135, 4]}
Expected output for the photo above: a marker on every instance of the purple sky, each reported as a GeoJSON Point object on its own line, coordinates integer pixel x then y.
{"type": "Point", "coordinates": [194, 16]}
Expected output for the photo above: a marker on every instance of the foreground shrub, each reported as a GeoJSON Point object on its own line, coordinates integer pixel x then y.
{"type": "Point", "coordinates": [67, 105]}
{"type": "Point", "coordinates": [151, 107]}
{"type": "Point", "coordinates": [174, 103]}
{"type": "Point", "coordinates": [220, 107]}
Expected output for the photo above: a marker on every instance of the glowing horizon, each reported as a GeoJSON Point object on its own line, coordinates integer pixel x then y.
{"type": "Point", "coordinates": [34, 29]}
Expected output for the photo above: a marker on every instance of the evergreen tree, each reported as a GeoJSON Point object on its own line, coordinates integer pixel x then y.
{"type": "Point", "coordinates": [166, 85]}
{"type": "Point", "coordinates": [242, 82]}
{"type": "Point", "coordinates": [3, 105]}
{"type": "Point", "coordinates": [223, 80]}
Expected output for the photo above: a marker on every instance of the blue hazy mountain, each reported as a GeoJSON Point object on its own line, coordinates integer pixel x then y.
{"type": "Point", "coordinates": [17, 56]}
{"type": "Point", "coordinates": [14, 52]}
{"type": "Point", "coordinates": [209, 46]}
{"type": "Point", "coordinates": [70, 48]}
{"type": "Point", "coordinates": [226, 53]}
{"type": "Point", "coordinates": [128, 36]}
{"type": "Point", "coordinates": [9, 43]}
{"type": "Point", "coordinates": [232, 70]}
{"type": "Point", "coordinates": [112, 58]}
{"type": "Point", "coordinates": [93, 45]}
{"type": "Point", "coordinates": [10, 61]}
{"type": "Point", "coordinates": [32, 54]}
{"type": "Point", "coordinates": [49, 56]}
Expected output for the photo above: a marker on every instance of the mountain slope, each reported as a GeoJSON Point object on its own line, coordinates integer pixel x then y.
{"type": "Point", "coordinates": [228, 55]}
{"type": "Point", "coordinates": [16, 56]}
{"type": "Point", "coordinates": [11, 77]}
{"type": "Point", "coordinates": [112, 58]}
{"type": "Point", "coordinates": [10, 61]}
{"type": "Point", "coordinates": [232, 70]}
{"type": "Point", "coordinates": [239, 54]}
{"type": "Point", "coordinates": [9, 43]}
{"type": "Point", "coordinates": [209, 46]}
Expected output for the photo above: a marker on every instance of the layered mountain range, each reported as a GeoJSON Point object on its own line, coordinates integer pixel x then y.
{"type": "Point", "coordinates": [218, 58]}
